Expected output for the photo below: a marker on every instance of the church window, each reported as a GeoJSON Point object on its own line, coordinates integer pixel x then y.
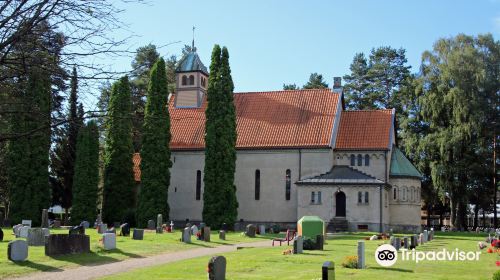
{"type": "Point", "coordinates": [288, 183]}
{"type": "Point", "coordinates": [184, 80]}
{"type": "Point", "coordinates": [191, 80]}
{"type": "Point", "coordinates": [412, 194]}
{"type": "Point", "coordinates": [319, 198]}
{"type": "Point", "coordinates": [404, 193]}
{"type": "Point", "coordinates": [257, 184]}
{"type": "Point", "coordinates": [353, 160]}
{"type": "Point", "coordinates": [366, 197]}
{"type": "Point", "coordinates": [367, 160]}
{"type": "Point", "coordinates": [313, 197]}
{"type": "Point", "coordinates": [395, 191]}
{"type": "Point", "coordinates": [360, 197]}
{"type": "Point", "coordinates": [360, 160]}
{"type": "Point", "coordinates": [198, 185]}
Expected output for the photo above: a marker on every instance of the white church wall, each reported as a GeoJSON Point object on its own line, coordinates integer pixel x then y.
{"type": "Point", "coordinates": [405, 209]}
{"type": "Point", "coordinates": [376, 167]}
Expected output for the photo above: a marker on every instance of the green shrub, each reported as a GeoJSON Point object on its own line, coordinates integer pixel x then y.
{"type": "Point", "coordinates": [350, 262]}
{"type": "Point", "coordinates": [496, 275]}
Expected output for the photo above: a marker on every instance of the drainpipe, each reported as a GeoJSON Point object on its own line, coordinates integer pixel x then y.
{"type": "Point", "coordinates": [381, 195]}
{"type": "Point", "coordinates": [300, 164]}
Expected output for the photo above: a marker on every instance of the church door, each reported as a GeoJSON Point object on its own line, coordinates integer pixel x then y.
{"type": "Point", "coordinates": [340, 204]}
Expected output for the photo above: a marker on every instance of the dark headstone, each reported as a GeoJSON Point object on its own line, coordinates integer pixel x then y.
{"type": "Point", "coordinates": [251, 230]}
{"type": "Point", "coordinates": [406, 244]}
{"type": "Point", "coordinates": [138, 234]}
{"type": "Point", "coordinates": [125, 229]}
{"type": "Point", "coordinates": [205, 234]}
{"type": "Point", "coordinates": [397, 242]}
{"type": "Point", "coordinates": [77, 230]}
{"type": "Point", "coordinates": [62, 244]}
{"type": "Point", "coordinates": [45, 219]}
{"type": "Point", "coordinates": [328, 271]}
{"type": "Point", "coordinates": [37, 236]}
{"type": "Point", "coordinates": [151, 224]}
{"type": "Point", "coordinates": [222, 235]}
{"type": "Point", "coordinates": [320, 241]}
{"type": "Point", "coordinates": [1, 234]}
{"type": "Point", "coordinates": [17, 250]}
{"type": "Point", "coordinates": [217, 268]}
{"type": "Point", "coordinates": [159, 222]}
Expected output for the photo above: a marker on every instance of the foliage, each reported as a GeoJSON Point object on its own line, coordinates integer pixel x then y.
{"type": "Point", "coordinates": [496, 275]}
{"type": "Point", "coordinates": [315, 82]}
{"type": "Point", "coordinates": [290, 87]}
{"type": "Point", "coordinates": [220, 202]}
{"type": "Point", "coordinates": [118, 189]}
{"type": "Point", "coordinates": [350, 262]}
{"type": "Point", "coordinates": [155, 152]}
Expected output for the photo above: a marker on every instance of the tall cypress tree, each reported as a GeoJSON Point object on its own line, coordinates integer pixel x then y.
{"type": "Point", "coordinates": [118, 192]}
{"type": "Point", "coordinates": [86, 178]}
{"type": "Point", "coordinates": [155, 152]}
{"type": "Point", "coordinates": [220, 203]}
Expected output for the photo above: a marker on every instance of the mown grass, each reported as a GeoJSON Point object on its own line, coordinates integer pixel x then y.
{"type": "Point", "coordinates": [270, 263]}
{"type": "Point", "coordinates": [126, 248]}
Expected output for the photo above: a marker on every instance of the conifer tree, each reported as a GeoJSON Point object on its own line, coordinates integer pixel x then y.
{"type": "Point", "coordinates": [155, 152]}
{"type": "Point", "coordinates": [118, 188]}
{"type": "Point", "coordinates": [86, 178]}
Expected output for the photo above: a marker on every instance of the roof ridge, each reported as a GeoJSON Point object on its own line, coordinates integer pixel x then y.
{"type": "Point", "coordinates": [287, 90]}
{"type": "Point", "coordinates": [367, 110]}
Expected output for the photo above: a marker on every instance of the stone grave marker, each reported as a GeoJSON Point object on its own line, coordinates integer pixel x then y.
{"type": "Point", "coordinates": [320, 241]}
{"type": "Point", "coordinates": [151, 224]}
{"type": "Point", "coordinates": [109, 241]}
{"type": "Point", "coordinates": [138, 234]}
{"type": "Point", "coordinates": [413, 241]}
{"type": "Point", "coordinates": [391, 240]}
{"type": "Point", "coordinates": [63, 244]}
{"type": "Point", "coordinates": [202, 225]}
{"type": "Point", "coordinates": [77, 230]}
{"type": "Point", "coordinates": [217, 268]}
{"type": "Point", "coordinates": [405, 242]}
{"type": "Point", "coordinates": [102, 228]}
{"type": "Point", "coordinates": [194, 230]}
{"type": "Point", "coordinates": [188, 225]}
{"type": "Point", "coordinates": [426, 236]}
{"type": "Point", "coordinates": [45, 218]}
{"type": "Point", "coordinates": [251, 229]}
{"type": "Point", "coordinates": [1, 234]}
{"type": "Point", "coordinates": [328, 271]}
{"type": "Point", "coordinates": [421, 239]}
{"type": "Point", "coordinates": [222, 235]}
{"type": "Point", "coordinates": [85, 224]}
{"type": "Point", "coordinates": [397, 242]}
{"type": "Point", "coordinates": [432, 233]}
{"type": "Point", "coordinates": [361, 254]}
{"type": "Point", "coordinates": [298, 245]}
{"type": "Point", "coordinates": [17, 250]}
{"type": "Point", "coordinates": [36, 237]}
{"type": "Point", "coordinates": [26, 223]}
{"type": "Point", "coordinates": [262, 229]}
{"type": "Point", "coordinates": [186, 235]}
{"type": "Point", "coordinates": [205, 232]}
{"type": "Point", "coordinates": [159, 222]}
{"type": "Point", "coordinates": [16, 229]}
{"type": "Point", "coordinates": [125, 229]}
{"type": "Point", "coordinates": [23, 231]}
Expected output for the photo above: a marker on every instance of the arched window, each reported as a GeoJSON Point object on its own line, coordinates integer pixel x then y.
{"type": "Point", "coordinates": [184, 80]}
{"type": "Point", "coordinates": [288, 182]}
{"type": "Point", "coordinates": [360, 160]}
{"type": "Point", "coordinates": [313, 195]}
{"type": "Point", "coordinates": [353, 160]}
{"type": "Point", "coordinates": [367, 160]}
{"type": "Point", "coordinates": [257, 184]}
{"type": "Point", "coordinates": [360, 197]}
{"type": "Point", "coordinates": [412, 193]}
{"type": "Point", "coordinates": [366, 198]}
{"type": "Point", "coordinates": [404, 193]}
{"type": "Point", "coordinates": [319, 198]}
{"type": "Point", "coordinates": [395, 193]}
{"type": "Point", "coordinates": [191, 80]}
{"type": "Point", "coordinates": [198, 185]}
{"type": "Point", "coordinates": [202, 81]}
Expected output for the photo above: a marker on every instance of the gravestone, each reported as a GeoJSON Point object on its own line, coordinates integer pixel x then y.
{"type": "Point", "coordinates": [26, 223]}
{"type": "Point", "coordinates": [151, 224]}
{"type": "Point", "coordinates": [205, 232]}
{"type": "Point", "coordinates": [361, 254]}
{"type": "Point", "coordinates": [251, 229]}
{"type": "Point", "coordinates": [222, 235]}
{"type": "Point", "coordinates": [413, 242]}
{"type": "Point", "coordinates": [23, 231]}
{"type": "Point", "coordinates": [62, 244]}
{"type": "Point", "coordinates": [397, 242]}
{"type": "Point", "coordinates": [328, 271]}
{"type": "Point", "coordinates": [159, 222]}
{"type": "Point", "coordinates": [1, 234]}
{"type": "Point", "coordinates": [109, 241]}
{"type": "Point", "coordinates": [237, 226]}
{"type": "Point", "coordinates": [188, 225]}
{"type": "Point", "coordinates": [36, 237]}
{"type": "Point", "coordinates": [45, 218]}
{"type": "Point", "coordinates": [102, 228]}
{"type": "Point", "coordinates": [77, 230]}
{"type": "Point", "coordinates": [432, 233]}
{"type": "Point", "coordinates": [202, 225]}
{"type": "Point", "coordinates": [85, 224]}
{"type": "Point", "coordinates": [405, 242]}
{"type": "Point", "coordinates": [421, 239]}
{"type": "Point", "coordinates": [426, 236]}
{"type": "Point", "coordinates": [17, 250]}
{"type": "Point", "coordinates": [16, 229]}
{"type": "Point", "coordinates": [194, 230]}
{"type": "Point", "coordinates": [262, 229]}
{"type": "Point", "coordinates": [217, 268]}
{"type": "Point", "coordinates": [298, 245]}
{"type": "Point", "coordinates": [391, 241]}
{"type": "Point", "coordinates": [125, 229]}
{"type": "Point", "coordinates": [138, 234]}
{"type": "Point", "coordinates": [320, 241]}
{"type": "Point", "coordinates": [186, 235]}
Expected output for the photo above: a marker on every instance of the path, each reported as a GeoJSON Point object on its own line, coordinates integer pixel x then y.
{"type": "Point", "coordinates": [96, 271]}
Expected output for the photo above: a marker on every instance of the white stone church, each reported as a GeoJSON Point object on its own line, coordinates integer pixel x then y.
{"type": "Point", "coordinates": [299, 152]}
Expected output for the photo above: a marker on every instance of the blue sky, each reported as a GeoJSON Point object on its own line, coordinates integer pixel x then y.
{"type": "Point", "coordinates": [276, 42]}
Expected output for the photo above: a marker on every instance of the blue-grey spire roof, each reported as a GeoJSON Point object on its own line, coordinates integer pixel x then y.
{"type": "Point", "coordinates": [401, 166]}
{"type": "Point", "coordinates": [191, 62]}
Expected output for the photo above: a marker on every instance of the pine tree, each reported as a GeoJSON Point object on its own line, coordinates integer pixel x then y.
{"type": "Point", "coordinates": [315, 82]}
{"type": "Point", "coordinates": [356, 84]}
{"type": "Point", "coordinates": [118, 188]}
{"type": "Point", "coordinates": [86, 178]}
{"type": "Point", "coordinates": [155, 152]}
{"type": "Point", "coordinates": [220, 203]}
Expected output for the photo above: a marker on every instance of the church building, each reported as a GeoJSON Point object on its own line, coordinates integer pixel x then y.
{"type": "Point", "coordinates": [299, 152]}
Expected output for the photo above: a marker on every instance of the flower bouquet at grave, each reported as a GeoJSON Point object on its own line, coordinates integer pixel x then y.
{"type": "Point", "coordinates": [198, 235]}
{"type": "Point", "coordinates": [495, 243]}
{"type": "Point", "coordinates": [350, 262]}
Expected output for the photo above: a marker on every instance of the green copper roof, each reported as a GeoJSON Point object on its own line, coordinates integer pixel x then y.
{"type": "Point", "coordinates": [401, 166]}
{"type": "Point", "coordinates": [191, 62]}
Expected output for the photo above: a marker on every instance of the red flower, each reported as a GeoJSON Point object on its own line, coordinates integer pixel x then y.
{"type": "Point", "coordinates": [497, 263]}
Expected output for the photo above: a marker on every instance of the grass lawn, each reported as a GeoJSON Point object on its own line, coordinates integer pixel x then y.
{"type": "Point", "coordinates": [270, 263]}
{"type": "Point", "coordinates": [126, 248]}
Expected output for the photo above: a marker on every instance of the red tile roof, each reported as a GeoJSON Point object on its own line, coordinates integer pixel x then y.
{"type": "Point", "coordinates": [364, 129]}
{"type": "Point", "coordinates": [275, 119]}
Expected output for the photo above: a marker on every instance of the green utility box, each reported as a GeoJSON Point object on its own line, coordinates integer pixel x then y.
{"type": "Point", "coordinates": [310, 227]}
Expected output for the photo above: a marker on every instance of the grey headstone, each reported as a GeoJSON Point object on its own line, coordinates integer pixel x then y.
{"type": "Point", "coordinates": [320, 241]}
{"type": "Point", "coordinates": [397, 242]}
{"type": "Point", "coordinates": [109, 241]}
{"type": "Point", "coordinates": [23, 231]}
{"type": "Point", "coordinates": [36, 237]}
{"type": "Point", "coordinates": [251, 229]}
{"type": "Point", "coordinates": [298, 245]}
{"type": "Point", "coordinates": [151, 224]}
{"type": "Point", "coordinates": [194, 230]}
{"type": "Point", "coordinates": [85, 224]}
{"type": "Point", "coordinates": [206, 234]}
{"type": "Point", "coordinates": [125, 229]}
{"type": "Point", "coordinates": [138, 234]}
{"type": "Point", "coordinates": [16, 229]}
{"type": "Point", "coordinates": [421, 239]}
{"type": "Point", "coordinates": [99, 219]}
{"type": "Point", "coordinates": [159, 223]}
{"type": "Point", "coordinates": [328, 271]}
{"type": "Point", "coordinates": [391, 240]}
{"type": "Point", "coordinates": [102, 228]}
{"type": "Point", "coordinates": [426, 235]}
{"type": "Point", "coordinates": [45, 218]}
{"type": "Point", "coordinates": [222, 235]}
{"type": "Point", "coordinates": [405, 242]}
{"type": "Point", "coordinates": [188, 225]}
{"type": "Point", "coordinates": [217, 268]}
{"type": "Point", "coordinates": [26, 223]}
{"type": "Point", "coordinates": [62, 244]}
{"type": "Point", "coordinates": [361, 254]}
{"type": "Point", "coordinates": [17, 250]}
{"type": "Point", "coordinates": [186, 235]}
{"type": "Point", "coordinates": [262, 229]}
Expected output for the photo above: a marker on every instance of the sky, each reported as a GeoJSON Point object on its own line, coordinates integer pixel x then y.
{"type": "Point", "coordinates": [276, 41]}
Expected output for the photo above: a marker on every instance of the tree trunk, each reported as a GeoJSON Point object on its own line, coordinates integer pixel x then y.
{"type": "Point", "coordinates": [476, 216]}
